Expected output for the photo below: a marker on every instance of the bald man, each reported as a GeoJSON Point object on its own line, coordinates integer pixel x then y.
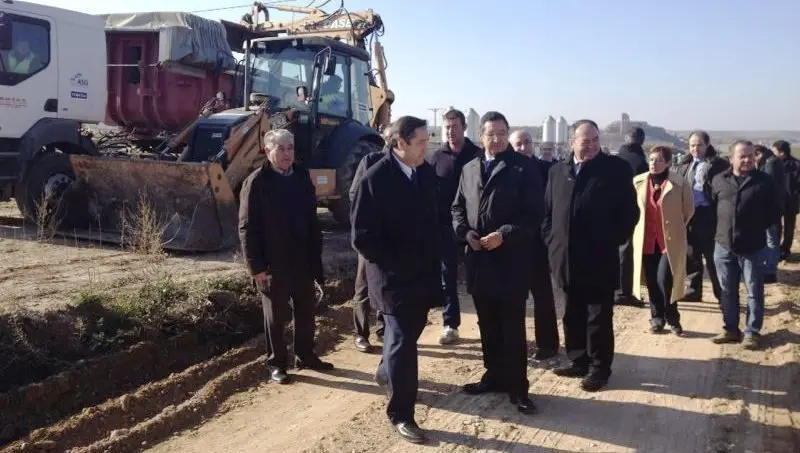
{"type": "Point", "coordinates": [590, 210]}
{"type": "Point", "coordinates": [541, 286]}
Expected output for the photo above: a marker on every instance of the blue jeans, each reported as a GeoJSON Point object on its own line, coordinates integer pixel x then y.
{"type": "Point", "coordinates": [771, 254]}
{"type": "Point", "coordinates": [730, 268]}
{"type": "Point", "coordinates": [451, 315]}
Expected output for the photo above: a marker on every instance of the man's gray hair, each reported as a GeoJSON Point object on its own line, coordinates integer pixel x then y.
{"type": "Point", "coordinates": [521, 132]}
{"type": "Point", "coordinates": [277, 136]}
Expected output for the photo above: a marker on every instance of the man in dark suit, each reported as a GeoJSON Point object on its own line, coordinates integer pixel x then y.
{"type": "Point", "coordinates": [700, 167]}
{"type": "Point", "coordinates": [496, 211]}
{"type": "Point", "coordinates": [282, 245]}
{"type": "Point", "coordinates": [633, 153]}
{"type": "Point", "coordinates": [394, 226]}
{"type": "Point", "coordinates": [361, 305]}
{"type": "Point", "coordinates": [544, 304]}
{"type": "Point", "coordinates": [590, 210]}
{"type": "Point", "coordinates": [783, 150]}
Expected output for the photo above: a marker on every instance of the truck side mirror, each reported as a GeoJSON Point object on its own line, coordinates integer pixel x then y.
{"type": "Point", "coordinates": [329, 65]}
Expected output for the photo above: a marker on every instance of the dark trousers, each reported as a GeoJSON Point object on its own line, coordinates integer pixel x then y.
{"type": "Point", "coordinates": [544, 304]}
{"type": "Point", "coordinates": [700, 235]}
{"type": "Point", "coordinates": [622, 292]}
{"type": "Point", "coordinates": [451, 314]}
{"type": "Point", "coordinates": [589, 328]}
{"type": "Point", "coordinates": [503, 340]}
{"type": "Point", "coordinates": [658, 277]}
{"type": "Point", "coordinates": [788, 232]}
{"type": "Point", "coordinates": [399, 363]}
{"type": "Point", "coordinates": [361, 307]}
{"type": "Point", "coordinates": [277, 313]}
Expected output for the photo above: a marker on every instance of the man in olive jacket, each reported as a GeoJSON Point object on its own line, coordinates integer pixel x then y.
{"type": "Point", "coordinates": [282, 245]}
{"type": "Point", "coordinates": [590, 210]}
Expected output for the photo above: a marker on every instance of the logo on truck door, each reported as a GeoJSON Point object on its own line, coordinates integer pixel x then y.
{"type": "Point", "coordinates": [79, 81]}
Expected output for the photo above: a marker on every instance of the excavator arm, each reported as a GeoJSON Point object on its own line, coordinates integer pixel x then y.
{"type": "Point", "coordinates": [356, 28]}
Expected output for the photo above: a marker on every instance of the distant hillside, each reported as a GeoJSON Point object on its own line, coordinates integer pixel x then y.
{"type": "Point", "coordinates": [757, 136]}
{"type": "Point", "coordinates": [653, 134]}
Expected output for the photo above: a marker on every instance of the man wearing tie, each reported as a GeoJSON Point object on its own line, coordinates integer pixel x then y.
{"type": "Point", "coordinates": [497, 210]}
{"type": "Point", "coordinates": [394, 225]}
{"type": "Point", "coordinates": [590, 210]}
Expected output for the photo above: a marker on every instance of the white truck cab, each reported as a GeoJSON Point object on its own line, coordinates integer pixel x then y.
{"type": "Point", "coordinates": [52, 79]}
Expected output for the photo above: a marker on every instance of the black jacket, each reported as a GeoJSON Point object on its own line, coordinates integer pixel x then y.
{"type": "Point", "coordinates": [745, 211]}
{"type": "Point", "coordinates": [586, 219]}
{"type": "Point", "coordinates": [635, 156]}
{"type": "Point", "coordinates": [774, 168]}
{"type": "Point", "coordinates": [543, 167]}
{"type": "Point", "coordinates": [448, 166]}
{"type": "Point", "coordinates": [366, 162]}
{"type": "Point", "coordinates": [270, 239]}
{"type": "Point", "coordinates": [792, 167]}
{"type": "Point", "coordinates": [717, 166]}
{"type": "Point", "coordinates": [509, 201]}
{"type": "Point", "coordinates": [392, 221]}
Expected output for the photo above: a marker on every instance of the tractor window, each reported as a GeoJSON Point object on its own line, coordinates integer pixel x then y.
{"type": "Point", "coordinates": [332, 96]}
{"type": "Point", "coordinates": [359, 91]}
{"type": "Point", "coordinates": [278, 73]}
{"type": "Point", "coordinates": [24, 47]}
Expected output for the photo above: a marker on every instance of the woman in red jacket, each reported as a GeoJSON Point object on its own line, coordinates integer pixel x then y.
{"type": "Point", "coordinates": [659, 239]}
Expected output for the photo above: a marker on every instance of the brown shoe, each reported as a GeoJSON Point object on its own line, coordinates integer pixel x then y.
{"type": "Point", "coordinates": [727, 337]}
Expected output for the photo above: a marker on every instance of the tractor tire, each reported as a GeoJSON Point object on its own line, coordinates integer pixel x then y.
{"type": "Point", "coordinates": [340, 208]}
{"type": "Point", "coordinates": [49, 177]}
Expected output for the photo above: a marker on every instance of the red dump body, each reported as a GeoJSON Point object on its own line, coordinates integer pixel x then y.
{"type": "Point", "coordinates": [151, 97]}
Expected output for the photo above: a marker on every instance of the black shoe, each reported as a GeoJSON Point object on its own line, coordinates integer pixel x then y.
{"type": "Point", "coordinates": [544, 354]}
{"type": "Point", "coordinates": [524, 404]}
{"type": "Point", "coordinates": [410, 432]}
{"type": "Point", "coordinates": [594, 382]}
{"type": "Point", "coordinates": [770, 278]}
{"type": "Point", "coordinates": [692, 296]}
{"type": "Point", "coordinates": [571, 371]}
{"type": "Point", "coordinates": [480, 387]}
{"type": "Point", "coordinates": [656, 328]}
{"type": "Point", "coordinates": [313, 363]}
{"type": "Point", "coordinates": [382, 381]}
{"type": "Point", "coordinates": [676, 330]}
{"type": "Point", "coordinates": [630, 301]}
{"type": "Point", "coordinates": [362, 344]}
{"type": "Point", "coordinates": [278, 375]}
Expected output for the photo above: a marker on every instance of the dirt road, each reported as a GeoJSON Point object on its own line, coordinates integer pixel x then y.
{"type": "Point", "coordinates": [667, 394]}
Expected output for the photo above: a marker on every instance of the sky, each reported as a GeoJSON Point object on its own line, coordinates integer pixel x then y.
{"type": "Point", "coordinates": [679, 64]}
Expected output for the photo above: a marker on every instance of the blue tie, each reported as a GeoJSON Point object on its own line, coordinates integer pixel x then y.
{"type": "Point", "coordinates": [413, 178]}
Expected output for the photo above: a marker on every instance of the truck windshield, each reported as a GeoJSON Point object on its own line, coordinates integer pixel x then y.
{"type": "Point", "coordinates": [280, 73]}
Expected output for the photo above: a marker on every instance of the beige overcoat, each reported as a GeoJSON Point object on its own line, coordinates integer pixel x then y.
{"type": "Point", "coordinates": [677, 207]}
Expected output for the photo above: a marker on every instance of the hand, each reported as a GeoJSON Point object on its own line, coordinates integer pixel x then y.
{"type": "Point", "coordinates": [263, 281]}
{"type": "Point", "coordinates": [474, 240]}
{"type": "Point", "coordinates": [492, 241]}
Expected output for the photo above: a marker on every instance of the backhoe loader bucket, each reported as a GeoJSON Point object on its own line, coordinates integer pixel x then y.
{"type": "Point", "coordinates": [189, 206]}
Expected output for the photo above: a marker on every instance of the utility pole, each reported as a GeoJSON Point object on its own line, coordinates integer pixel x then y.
{"type": "Point", "coordinates": [435, 111]}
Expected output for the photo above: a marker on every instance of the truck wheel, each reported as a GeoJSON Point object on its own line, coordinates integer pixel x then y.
{"type": "Point", "coordinates": [340, 208]}
{"type": "Point", "coordinates": [48, 178]}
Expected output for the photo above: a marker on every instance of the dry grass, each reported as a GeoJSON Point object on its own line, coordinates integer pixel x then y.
{"type": "Point", "coordinates": [143, 229]}
{"type": "Point", "coordinates": [46, 216]}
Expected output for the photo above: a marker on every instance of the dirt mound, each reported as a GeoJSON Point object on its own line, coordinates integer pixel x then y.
{"type": "Point", "coordinates": [69, 360]}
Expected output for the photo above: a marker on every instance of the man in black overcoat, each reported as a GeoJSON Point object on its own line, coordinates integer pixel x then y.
{"type": "Point", "coordinates": [282, 245]}
{"type": "Point", "coordinates": [497, 209]}
{"type": "Point", "coordinates": [590, 210]}
{"type": "Point", "coordinates": [544, 304]}
{"type": "Point", "coordinates": [395, 228]}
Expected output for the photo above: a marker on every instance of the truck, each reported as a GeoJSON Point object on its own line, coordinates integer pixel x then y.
{"type": "Point", "coordinates": [171, 83]}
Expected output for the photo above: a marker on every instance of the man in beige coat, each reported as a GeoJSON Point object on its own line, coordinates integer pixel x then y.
{"type": "Point", "coordinates": [659, 239]}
